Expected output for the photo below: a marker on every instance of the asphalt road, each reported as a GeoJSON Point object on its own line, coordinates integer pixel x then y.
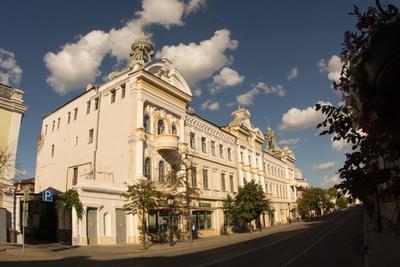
{"type": "Point", "coordinates": [336, 240]}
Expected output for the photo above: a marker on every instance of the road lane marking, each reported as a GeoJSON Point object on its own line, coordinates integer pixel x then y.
{"type": "Point", "coordinates": [315, 243]}
{"type": "Point", "coordinates": [210, 263]}
{"type": "Point", "coordinates": [250, 250]}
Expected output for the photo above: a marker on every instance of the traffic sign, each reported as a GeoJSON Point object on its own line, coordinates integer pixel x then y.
{"type": "Point", "coordinates": [47, 196]}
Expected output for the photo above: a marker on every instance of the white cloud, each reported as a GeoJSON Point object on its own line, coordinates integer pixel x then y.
{"type": "Point", "coordinates": [78, 63]}
{"type": "Point", "coordinates": [207, 105]}
{"type": "Point", "coordinates": [293, 74]}
{"type": "Point", "coordinates": [330, 181]}
{"type": "Point", "coordinates": [10, 72]}
{"type": "Point", "coordinates": [291, 141]}
{"type": "Point", "coordinates": [164, 12]}
{"type": "Point", "coordinates": [196, 92]}
{"type": "Point", "coordinates": [199, 61]}
{"type": "Point", "coordinates": [247, 98]}
{"type": "Point", "coordinates": [227, 77]}
{"type": "Point", "coordinates": [324, 166]}
{"type": "Point", "coordinates": [333, 68]}
{"type": "Point", "coordinates": [194, 5]}
{"type": "Point", "coordinates": [341, 145]}
{"type": "Point", "coordinates": [300, 119]}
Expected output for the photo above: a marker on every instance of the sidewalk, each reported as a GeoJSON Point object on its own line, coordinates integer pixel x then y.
{"type": "Point", "coordinates": [383, 249]}
{"type": "Point", "coordinates": [57, 251]}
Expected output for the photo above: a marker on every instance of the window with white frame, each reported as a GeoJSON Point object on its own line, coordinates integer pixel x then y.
{"type": "Point", "coordinates": [203, 144]}
{"type": "Point", "coordinates": [192, 140]}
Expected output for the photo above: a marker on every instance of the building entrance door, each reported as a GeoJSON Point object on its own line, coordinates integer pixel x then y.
{"type": "Point", "coordinates": [92, 226]}
{"type": "Point", "coordinates": [120, 222]}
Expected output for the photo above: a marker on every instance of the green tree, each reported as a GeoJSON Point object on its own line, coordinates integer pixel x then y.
{"type": "Point", "coordinates": [141, 198]}
{"type": "Point", "coordinates": [313, 199]}
{"type": "Point", "coordinates": [342, 202]}
{"type": "Point", "coordinates": [178, 183]}
{"type": "Point", "coordinates": [64, 204]}
{"type": "Point", "coordinates": [250, 202]}
{"type": "Point", "coordinates": [228, 206]}
{"type": "Point", "coordinates": [366, 118]}
{"type": "Point", "coordinates": [70, 199]}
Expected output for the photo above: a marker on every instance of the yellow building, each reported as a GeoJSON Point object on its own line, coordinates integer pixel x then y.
{"type": "Point", "coordinates": [12, 109]}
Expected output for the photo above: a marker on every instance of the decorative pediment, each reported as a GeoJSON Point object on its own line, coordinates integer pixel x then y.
{"type": "Point", "coordinates": [165, 70]}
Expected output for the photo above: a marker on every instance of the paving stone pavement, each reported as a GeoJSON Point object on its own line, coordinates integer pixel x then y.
{"type": "Point", "coordinates": [383, 249]}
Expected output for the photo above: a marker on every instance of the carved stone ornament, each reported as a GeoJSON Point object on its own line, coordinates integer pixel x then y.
{"type": "Point", "coordinates": [141, 52]}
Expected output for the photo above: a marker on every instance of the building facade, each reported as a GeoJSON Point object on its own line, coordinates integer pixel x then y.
{"type": "Point", "coordinates": [12, 109]}
{"type": "Point", "coordinates": [135, 126]}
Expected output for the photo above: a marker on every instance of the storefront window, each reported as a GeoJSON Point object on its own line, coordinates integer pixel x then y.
{"type": "Point", "coordinates": [202, 220]}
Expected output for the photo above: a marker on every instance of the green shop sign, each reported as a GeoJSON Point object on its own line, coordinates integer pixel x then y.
{"type": "Point", "coordinates": [204, 205]}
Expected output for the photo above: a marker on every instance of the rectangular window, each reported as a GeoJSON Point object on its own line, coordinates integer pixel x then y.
{"type": "Point", "coordinates": [192, 140]}
{"type": "Point", "coordinates": [69, 117]}
{"type": "Point", "coordinates": [53, 125]}
{"type": "Point", "coordinates": [123, 91]}
{"type": "Point", "coordinates": [202, 220]}
{"type": "Point", "coordinates": [229, 154]}
{"type": "Point", "coordinates": [75, 114]}
{"type": "Point", "coordinates": [213, 148]}
{"type": "Point", "coordinates": [223, 185]}
{"type": "Point", "coordinates": [194, 177]}
{"type": "Point", "coordinates": [113, 94]}
{"type": "Point", "coordinates": [241, 156]}
{"type": "Point", "coordinates": [58, 123]}
{"type": "Point", "coordinates": [203, 145]}
{"type": "Point", "coordinates": [76, 140]}
{"type": "Point", "coordinates": [45, 129]}
{"type": "Point", "coordinates": [205, 178]}
{"type": "Point", "coordinates": [249, 159]}
{"type": "Point", "coordinates": [53, 148]}
{"type": "Point", "coordinates": [75, 176]}
{"type": "Point", "coordinates": [231, 185]}
{"type": "Point", "coordinates": [88, 107]}
{"type": "Point", "coordinates": [90, 136]}
{"type": "Point", "coordinates": [96, 103]}
{"type": "Point", "coordinates": [221, 151]}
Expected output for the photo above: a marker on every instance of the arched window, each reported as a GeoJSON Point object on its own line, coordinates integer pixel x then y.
{"type": "Point", "coordinates": [160, 127]}
{"type": "Point", "coordinates": [173, 129]}
{"type": "Point", "coordinates": [146, 123]}
{"type": "Point", "coordinates": [147, 168]}
{"type": "Point", "coordinates": [161, 171]}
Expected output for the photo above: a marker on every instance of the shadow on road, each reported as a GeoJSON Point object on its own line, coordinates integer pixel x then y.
{"type": "Point", "coordinates": [183, 257]}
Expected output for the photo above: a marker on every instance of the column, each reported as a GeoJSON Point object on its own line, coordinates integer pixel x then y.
{"type": "Point", "coordinates": [139, 138]}
{"type": "Point", "coordinates": [18, 214]}
{"type": "Point", "coordinates": [182, 130]}
{"type": "Point", "coordinates": [75, 228]}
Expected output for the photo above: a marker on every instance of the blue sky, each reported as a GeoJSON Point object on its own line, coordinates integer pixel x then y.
{"type": "Point", "coordinates": [274, 57]}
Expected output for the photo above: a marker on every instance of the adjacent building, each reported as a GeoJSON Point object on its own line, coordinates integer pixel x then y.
{"type": "Point", "coordinates": [12, 109]}
{"type": "Point", "coordinates": [134, 126]}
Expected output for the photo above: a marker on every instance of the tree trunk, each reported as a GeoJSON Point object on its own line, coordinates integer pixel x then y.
{"type": "Point", "coordinates": [144, 231]}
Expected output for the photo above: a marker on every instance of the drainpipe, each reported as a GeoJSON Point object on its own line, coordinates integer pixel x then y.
{"type": "Point", "coordinates": [97, 135]}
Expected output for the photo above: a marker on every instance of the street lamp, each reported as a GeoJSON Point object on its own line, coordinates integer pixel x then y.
{"type": "Point", "coordinates": [170, 201]}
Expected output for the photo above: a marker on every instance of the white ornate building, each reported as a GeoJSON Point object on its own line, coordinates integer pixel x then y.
{"type": "Point", "coordinates": [132, 127]}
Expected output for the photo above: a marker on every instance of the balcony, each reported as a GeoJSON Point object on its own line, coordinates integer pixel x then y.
{"type": "Point", "coordinates": [167, 146]}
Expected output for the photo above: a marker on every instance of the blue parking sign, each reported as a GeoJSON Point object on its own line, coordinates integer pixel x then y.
{"type": "Point", "coordinates": [47, 196]}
